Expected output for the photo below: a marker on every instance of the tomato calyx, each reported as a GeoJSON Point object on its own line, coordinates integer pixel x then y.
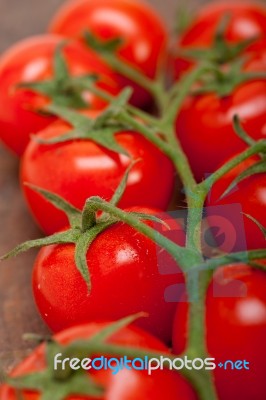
{"type": "Point", "coordinates": [223, 80]}
{"type": "Point", "coordinates": [102, 46]}
{"type": "Point", "coordinates": [257, 167]}
{"type": "Point", "coordinates": [221, 51]}
{"type": "Point", "coordinates": [227, 62]}
{"type": "Point", "coordinates": [86, 225]}
{"type": "Point", "coordinates": [100, 129]}
{"type": "Point", "coordinates": [63, 89]}
{"type": "Point", "coordinates": [62, 382]}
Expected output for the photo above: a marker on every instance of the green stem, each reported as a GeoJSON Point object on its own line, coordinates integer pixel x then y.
{"type": "Point", "coordinates": [180, 91]}
{"type": "Point", "coordinates": [196, 201]}
{"type": "Point", "coordinates": [240, 257]}
{"type": "Point", "coordinates": [203, 382]}
{"type": "Point", "coordinates": [144, 116]}
{"type": "Point", "coordinates": [146, 131]}
{"type": "Point", "coordinates": [197, 283]}
{"type": "Point", "coordinates": [127, 71]}
{"type": "Point", "coordinates": [88, 218]}
{"type": "Point", "coordinates": [175, 152]}
{"type": "Point", "coordinates": [171, 148]}
{"type": "Point", "coordinates": [153, 86]}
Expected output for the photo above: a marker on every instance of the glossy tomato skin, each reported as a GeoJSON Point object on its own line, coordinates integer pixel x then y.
{"type": "Point", "coordinates": [141, 29]}
{"type": "Point", "coordinates": [247, 20]}
{"type": "Point", "coordinates": [236, 329]}
{"type": "Point", "coordinates": [128, 273]}
{"type": "Point", "coordinates": [126, 384]}
{"type": "Point", "coordinates": [76, 170]}
{"type": "Point", "coordinates": [205, 128]}
{"type": "Point", "coordinates": [250, 195]}
{"type": "Point", "coordinates": [32, 60]}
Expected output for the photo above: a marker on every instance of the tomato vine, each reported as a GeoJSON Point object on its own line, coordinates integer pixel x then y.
{"type": "Point", "coordinates": [160, 130]}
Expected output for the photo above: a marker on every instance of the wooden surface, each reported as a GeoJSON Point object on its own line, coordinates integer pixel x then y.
{"type": "Point", "coordinates": [18, 315]}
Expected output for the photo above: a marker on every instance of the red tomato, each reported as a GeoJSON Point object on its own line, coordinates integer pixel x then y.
{"type": "Point", "coordinates": [205, 123]}
{"type": "Point", "coordinates": [256, 55]}
{"type": "Point", "coordinates": [79, 169]}
{"type": "Point", "coordinates": [204, 126]}
{"type": "Point", "coordinates": [250, 195]}
{"type": "Point", "coordinates": [143, 32]}
{"type": "Point", "coordinates": [126, 384]}
{"type": "Point", "coordinates": [128, 272]}
{"type": "Point", "coordinates": [247, 20]}
{"type": "Point", "coordinates": [236, 329]}
{"type": "Point", "coordinates": [32, 60]}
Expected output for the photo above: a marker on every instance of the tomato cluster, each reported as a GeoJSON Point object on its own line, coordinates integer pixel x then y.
{"type": "Point", "coordinates": [64, 112]}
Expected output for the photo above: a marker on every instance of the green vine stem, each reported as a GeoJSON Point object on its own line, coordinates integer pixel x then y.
{"type": "Point", "coordinates": [197, 344]}
{"type": "Point", "coordinates": [153, 86]}
{"type": "Point", "coordinates": [197, 279]}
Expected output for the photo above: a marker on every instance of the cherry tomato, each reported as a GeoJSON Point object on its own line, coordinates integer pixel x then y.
{"type": "Point", "coordinates": [236, 329]}
{"type": "Point", "coordinates": [250, 196]}
{"type": "Point", "coordinates": [78, 169]}
{"type": "Point", "coordinates": [128, 272]}
{"type": "Point", "coordinates": [142, 31]}
{"type": "Point", "coordinates": [126, 384]}
{"type": "Point", "coordinates": [256, 55]}
{"type": "Point", "coordinates": [247, 20]}
{"type": "Point", "coordinates": [205, 123]}
{"type": "Point", "coordinates": [33, 60]}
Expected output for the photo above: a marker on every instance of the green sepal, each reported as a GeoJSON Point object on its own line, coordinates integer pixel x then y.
{"type": "Point", "coordinates": [74, 134]}
{"type": "Point", "coordinates": [100, 46]}
{"type": "Point", "coordinates": [76, 119]}
{"type": "Point", "coordinates": [149, 217]}
{"type": "Point", "coordinates": [61, 70]}
{"type": "Point", "coordinates": [79, 347]}
{"type": "Point", "coordinates": [258, 168]}
{"type": "Point", "coordinates": [63, 89]}
{"type": "Point", "coordinates": [221, 51]}
{"type": "Point", "coordinates": [84, 128]}
{"type": "Point", "coordinates": [52, 388]}
{"type": "Point", "coordinates": [73, 214]}
{"type": "Point", "coordinates": [36, 338]}
{"type": "Point", "coordinates": [184, 16]}
{"type": "Point", "coordinates": [259, 225]}
{"type": "Point", "coordinates": [122, 185]}
{"type": "Point", "coordinates": [218, 55]}
{"type": "Point", "coordinates": [59, 384]}
{"type": "Point", "coordinates": [58, 238]}
{"type": "Point", "coordinates": [241, 132]}
{"type": "Point", "coordinates": [257, 265]}
{"type": "Point", "coordinates": [82, 246]}
{"type": "Point", "coordinates": [115, 327]}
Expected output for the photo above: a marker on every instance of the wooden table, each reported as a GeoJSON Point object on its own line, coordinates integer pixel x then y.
{"type": "Point", "coordinates": [18, 314]}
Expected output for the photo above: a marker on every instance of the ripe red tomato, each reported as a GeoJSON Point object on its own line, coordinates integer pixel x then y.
{"type": "Point", "coordinates": [78, 169]}
{"type": "Point", "coordinates": [32, 60]}
{"type": "Point", "coordinates": [205, 123]}
{"type": "Point", "coordinates": [250, 195]}
{"type": "Point", "coordinates": [143, 32]}
{"type": "Point", "coordinates": [236, 329]}
{"type": "Point", "coordinates": [247, 20]}
{"type": "Point", "coordinates": [128, 272]}
{"type": "Point", "coordinates": [126, 384]}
